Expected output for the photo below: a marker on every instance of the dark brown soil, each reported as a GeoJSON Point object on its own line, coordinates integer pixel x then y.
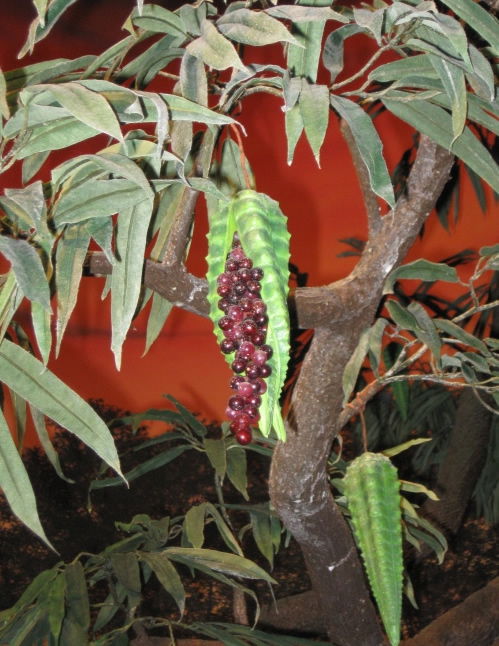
{"type": "Point", "coordinates": [472, 559]}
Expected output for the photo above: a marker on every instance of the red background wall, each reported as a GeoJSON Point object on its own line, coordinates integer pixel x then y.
{"type": "Point", "coordinates": [322, 205]}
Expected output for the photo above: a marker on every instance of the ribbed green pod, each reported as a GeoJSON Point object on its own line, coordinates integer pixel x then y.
{"type": "Point", "coordinates": [264, 238]}
{"type": "Point", "coordinates": [372, 491]}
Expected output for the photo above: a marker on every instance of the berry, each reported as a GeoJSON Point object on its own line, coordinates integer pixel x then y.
{"type": "Point", "coordinates": [236, 313]}
{"type": "Point", "coordinates": [259, 338]}
{"type": "Point", "coordinates": [243, 437]}
{"type": "Point", "coordinates": [245, 263]}
{"type": "Point", "coordinates": [238, 366]}
{"type": "Point", "coordinates": [259, 306]}
{"type": "Point", "coordinates": [231, 264]}
{"type": "Point", "coordinates": [252, 413]}
{"type": "Point", "coordinates": [245, 389]}
{"type": "Point", "coordinates": [235, 381]}
{"type": "Point", "coordinates": [223, 304]}
{"type": "Point", "coordinates": [261, 319]}
{"type": "Point", "coordinates": [253, 371]}
{"type": "Point", "coordinates": [237, 402]}
{"type": "Point", "coordinates": [249, 327]}
{"type": "Point", "coordinates": [230, 413]}
{"type": "Point", "coordinates": [227, 346]}
{"type": "Point", "coordinates": [253, 399]}
{"type": "Point", "coordinates": [256, 273]}
{"type": "Point", "coordinates": [225, 323]}
{"type": "Point", "coordinates": [265, 370]}
{"type": "Point", "coordinates": [268, 350]}
{"type": "Point", "coordinates": [246, 350]}
{"type": "Point", "coordinates": [253, 286]}
{"type": "Point", "coordinates": [259, 357]}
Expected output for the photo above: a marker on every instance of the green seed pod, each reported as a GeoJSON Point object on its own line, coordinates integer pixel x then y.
{"type": "Point", "coordinates": [372, 491]}
{"type": "Point", "coordinates": [264, 237]}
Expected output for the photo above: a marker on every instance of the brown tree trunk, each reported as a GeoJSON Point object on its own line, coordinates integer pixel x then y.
{"type": "Point", "coordinates": [462, 463]}
{"type": "Point", "coordinates": [299, 488]}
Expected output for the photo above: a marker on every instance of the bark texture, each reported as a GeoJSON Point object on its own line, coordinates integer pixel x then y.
{"type": "Point", "coordinates": [462, 463]}
{"type": "Point", "coordinates": [299, 488]}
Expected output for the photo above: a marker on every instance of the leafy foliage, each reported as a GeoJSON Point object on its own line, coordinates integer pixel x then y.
{"type": "Point", "coordinates": [155, 150]}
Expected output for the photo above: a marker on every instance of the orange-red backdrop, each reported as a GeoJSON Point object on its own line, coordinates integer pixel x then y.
{"type": "Point", "coordinates": [323, 206]}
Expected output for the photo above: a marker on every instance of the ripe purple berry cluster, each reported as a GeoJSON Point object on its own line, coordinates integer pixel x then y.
{"type": "Point", "coordinates": [244, 326]}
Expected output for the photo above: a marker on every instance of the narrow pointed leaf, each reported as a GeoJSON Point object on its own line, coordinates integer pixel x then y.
{"type": "Point", "coordinates": [44, 438]}
{"type": "Point", "coordinates": [86, 106]}
{"type": "Point", "coordinates": [14, 482]}
{"type": "Point", "coordinates": [41, 319]}
{"type": "Point", "coordinates": [369, 145]}
{"type": "Point", "coordinates": [40, 28]}
{"type": "Point", "coordinates": [160, 310]}
{"type": "Point", "coordinates": [214, 49]}
{"type": "Point", "coordinates": [482, 21]}
{"type": "Point", "coordinates": [421, 269]}
{"type": "Point", "coordinates": [303, 60]}
{"type": "Point", "coordinates": [253, 28]}
{"type": "Point", "coordinates": [28, 269]}
{"type": "Point", "coordinates": [314, 109]}
{"type": "Point", "coordinates": [333, 53]}
{"type": "Point", "coordinates": [70, 256]}
{"type": "Point", "coordinates": [436, 123]}
{"type": "Point", "coordinates": [453, 80]}
{"type": "Point", "coordinates": [231, 564]}
{"type": "Point", "coordinates": [194, 525]}
{"type": "Point", "coordinates": [31, 380]}
{"type": "Point", "coordinates": [126, 279]}
{"type": "Point", "coordinates": [154, 18]}
{"type": "Point", "coordinates": [55, 605]}
{"type": "Point", "coordinates": [215, 450]}
{"type": "Point", "coordinates": [167, 575]}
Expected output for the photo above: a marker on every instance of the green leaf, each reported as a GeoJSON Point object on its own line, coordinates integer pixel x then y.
{"type": "Point", "coordinates": [395, 450]}
{"type": "Point", "coordinates": [293, 122]}
{"type": "Point", "coordinates": [461, 335]}
{"type": "Point", "coordinates": [160, 310]}
{"type": "Point", "coordinates": [153, 463]}
{"type": "Point", "coordinates": [369, 145]}
{"type": "Point", "coordinates": [127, 571]}
{"type": "Point", "coordinates": [421, 269]}
{"type": "Point", "coordinates": [353, 366]}
{"type": "Point", "coordinates": [51, 128]}
{"type": "Point", "coordinates": [482, 21]}
{"type": "Point", "coordinates": [55, 605]}
{"type": "Point", "coordinates": [40, 27]}
{"type": "Point", "coordinates": [332, 56]}
{"type": "Point", "coordinates": [159, 20]}
{"type": "Point", "coordinates": [307, 13]}
{"type": "Point", "coordinates": [426, 332]}
{"type": "Point", "coordinates": [481, 78]}
{"type": "Point", "coordinates": [193, 81]}
{"type": "Point", "coordinates": [96, 199]}
{"type": "Point", "coordinates": [14, 482]}
{"type": "Point", "coordinates": [4, 106]}
{"type": "Point", "coordinates": [28, 269]}
{"type": "Point", "coordinates": [261, 529]}
{"type": "Point", "coordinates": [44, 438]}
{"type": "Point", "coordinates": [231, 564]}
{"type": "Point", "coordinates": [303, 60]}
{"type": "Point", "coordinates": [167, 575]}
{"type": "Point", "coordinates": [401, 317]}
{"type": "Point", "coordinates": [214, 49]}
{"type": "Point", "coordinates": [376, 333]}
{"type": "Point", "coordinates": [77, 617]}
{"type": "Point", "coordinates": [416, 487]}
{"type": "Point", "coordinates": [86, 106]}
{"type": "Point", "coordinates": [435, 122]}
{"type": "Point", "coordinates": [126, 279]}
{"type": "Point", "coordinates": [41, 319]}
{"type": "Point", "coordinates": [453, 80]}
{"type": "Point", "coordinates": [28, 377]}
{"type": "Point", "coordinates": [237, 469]}
{"type": "Point", "coordinates": [489, 251]}
{"type": "Point", "coordinates": [215, 450]}
{"type": "Point", "coordinates": [314, 110]}
{"type": "Point", "coordinates": [194, 525]}
{"type": "Point", "coordinates": [223, 528]}
{"type": "Point", "coordinates": [399, 70]}
{"type": "Point", "coordinates": [70, 256]}
{"type": "Point", "coordinates": [253, 28]}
